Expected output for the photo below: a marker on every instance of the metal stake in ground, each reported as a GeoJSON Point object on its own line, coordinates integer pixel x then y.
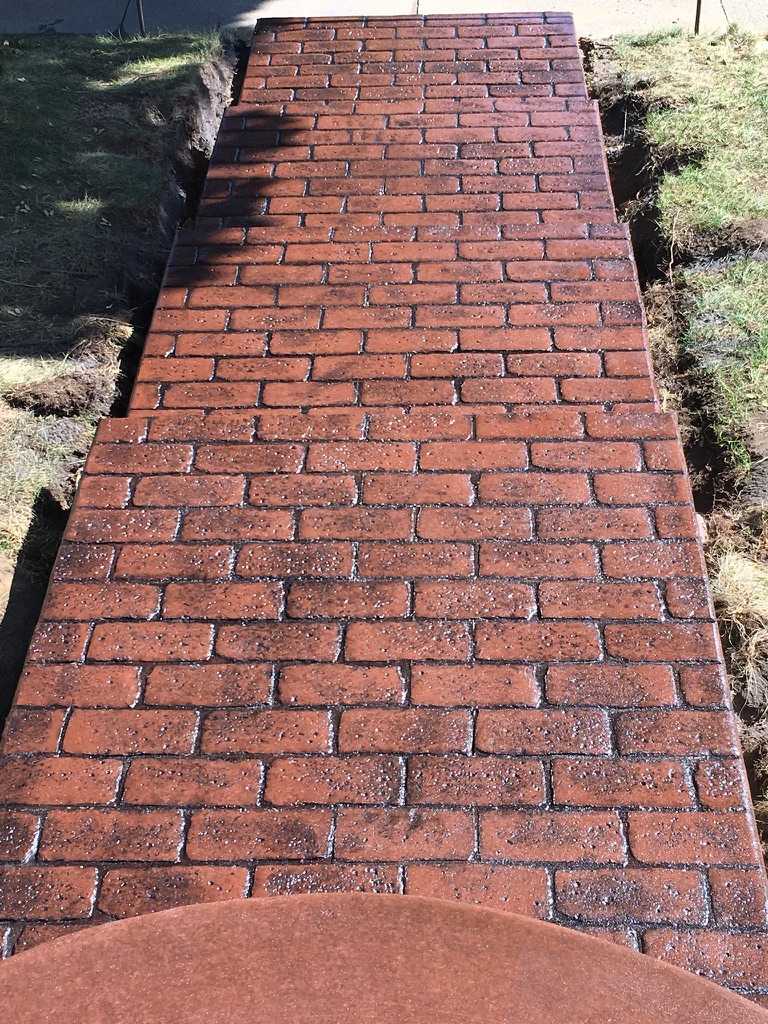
{"type": "Point", "coordinates": [139, 15]}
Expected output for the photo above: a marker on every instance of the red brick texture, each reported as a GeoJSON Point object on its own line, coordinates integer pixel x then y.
{"type": "Point", "coordinates": [391, 579]}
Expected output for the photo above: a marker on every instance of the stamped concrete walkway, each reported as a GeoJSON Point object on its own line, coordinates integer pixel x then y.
{"type": "Point", "coordinates": [391, 579]}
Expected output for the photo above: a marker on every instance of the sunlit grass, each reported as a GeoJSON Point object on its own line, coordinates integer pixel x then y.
{"type": "Point", "coordinates": [725, 333]}
{"type": "Point", "coordinates": [708, 101]}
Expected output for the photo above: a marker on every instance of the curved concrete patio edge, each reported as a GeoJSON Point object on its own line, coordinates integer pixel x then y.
{"type": "Point", "coordinates": [351, 957]}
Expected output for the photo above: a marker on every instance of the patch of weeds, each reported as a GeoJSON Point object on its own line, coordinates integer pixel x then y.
{"type": "Point", "coordinates": [36, 452]}
{"type": "Point", "coordinates": [664, 340]}
{"type": "Point", "coordinates": [650, 39]}
{"type": "Point", "coordinates": [725, 339]}
{"type": "Point", "coordinates": [739, 579]}
{"type": "Point", "coordinates": [739, 540]}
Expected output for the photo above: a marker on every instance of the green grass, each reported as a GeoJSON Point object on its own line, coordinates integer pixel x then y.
{"type": "Point", "coordinates": [708, 100]}
{"type": "Point", "coordinates": [725, 334]}
{"type": "Point", "coordinates": [88, 128]}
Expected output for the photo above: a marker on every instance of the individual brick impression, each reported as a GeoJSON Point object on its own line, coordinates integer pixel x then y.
{"type": "Point", "coordinates": [390, 581]}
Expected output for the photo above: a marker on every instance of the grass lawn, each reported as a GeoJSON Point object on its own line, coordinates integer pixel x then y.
{"type": "Point", "coordinates": [704, 127]}
{"type": "Point", "coordinates": [89, 127]}
{"type": "Point", "coordinates": [707, 100]}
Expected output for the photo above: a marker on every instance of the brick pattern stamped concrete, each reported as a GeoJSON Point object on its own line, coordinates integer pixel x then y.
{"type": "Point", "coordinates": [391, 579]}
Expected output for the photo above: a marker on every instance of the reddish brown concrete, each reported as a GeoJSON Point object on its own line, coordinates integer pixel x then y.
{"type": "Point", "coordinates": [351, 958]}
{"type": "Point", "coordinates": [391, 580]}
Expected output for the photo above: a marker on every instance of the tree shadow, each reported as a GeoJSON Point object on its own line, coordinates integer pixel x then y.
{"type": "Point", "coordinates": [245, 204]}
{"type": "Point", "coordinates": [27, 591]}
